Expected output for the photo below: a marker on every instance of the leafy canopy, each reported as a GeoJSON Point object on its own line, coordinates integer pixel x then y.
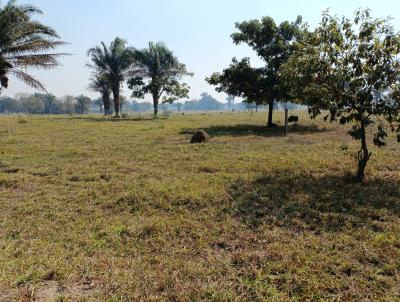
{"type": "Point", "coordinates": [351, 69]}
{"type": "Point", "coordinates": [242, 80]}
{"type": "Point", "coordinates": [274, 44]}
{"type": "Point", "coordinates": [157, 71]}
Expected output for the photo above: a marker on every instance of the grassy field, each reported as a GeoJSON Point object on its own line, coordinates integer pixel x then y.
{"type": "Point", "coordinates": [95, 209]}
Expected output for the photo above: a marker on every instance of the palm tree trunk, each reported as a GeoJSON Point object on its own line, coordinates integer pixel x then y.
{"type": "Point", "coordinates": [106, 103]}
{"type": "Point", "coordinates": [116, 100]}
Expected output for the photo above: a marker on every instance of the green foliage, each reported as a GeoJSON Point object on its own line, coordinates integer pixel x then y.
{"type": "Point", "coordinates": [39, 103]}
{"type": "Point", "coordinates": [205, 103]}
{"type": "Point", "coordinates": [242, 80]}
{"type": "Point", "coordinates": [113, 64]}
{"type": "Point", "coordinates": [100, 83]}
{"type": "Point", "coordinates": [82, 104]}
{"type": "Point", "coordinates": [351, 69]}
{"type": "Point", "coordinates": [158, 72]}
{"type": "Point", "coordinates": [273, 44]}
{"type": "Point", "coordinates": [25, 43]}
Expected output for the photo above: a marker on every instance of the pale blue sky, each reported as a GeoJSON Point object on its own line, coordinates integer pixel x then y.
{"type": "Point", "coordinates": [197, 31]}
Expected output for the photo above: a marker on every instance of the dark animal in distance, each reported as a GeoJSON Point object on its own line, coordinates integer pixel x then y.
{"type": "Point", "coordinates": [293, 119]}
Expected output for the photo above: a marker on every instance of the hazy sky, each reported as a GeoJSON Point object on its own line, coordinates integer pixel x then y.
{"type": "Point", "coordinates": [198, 31]}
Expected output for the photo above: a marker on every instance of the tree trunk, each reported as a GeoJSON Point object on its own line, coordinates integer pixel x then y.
{"type": "Point", "coordinates": [116, 100]}
{"type": "Point", "coordinates": [363, 155]}
{"type": "Point", "coordinates": [106, 103]}
{"type": "Point", "coordinates": [270, 111]}
{"type": "Point", "coordinates": [155, 104]}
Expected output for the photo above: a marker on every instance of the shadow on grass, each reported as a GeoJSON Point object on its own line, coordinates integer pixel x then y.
{"type": "Point", "coordinates": [113, 119]}
{"type": "Point", "coordinates": [258, 130]}
{"type": "Point", "coordinates": [316, 203]}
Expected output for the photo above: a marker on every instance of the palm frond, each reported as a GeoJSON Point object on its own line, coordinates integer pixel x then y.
{"type": "Point", "coordinates": [25, 43]}
{"type": "Point", "coordinates": [28, 79]}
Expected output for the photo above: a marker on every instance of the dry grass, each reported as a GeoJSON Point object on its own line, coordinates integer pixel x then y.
{"type": "Point", "coordinates": [97, 209]}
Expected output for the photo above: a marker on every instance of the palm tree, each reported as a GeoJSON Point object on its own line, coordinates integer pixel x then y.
{"type": "Point", "coordinates": [25, 43]}
{"type": "Point", "coordinates": [82, 104]}
{"type": "Point", "coordinates": [157, 71]}
{"type": "Point", "coordinates": [100, 83]}
{"type": "Point", "coordinates": [114, 63]}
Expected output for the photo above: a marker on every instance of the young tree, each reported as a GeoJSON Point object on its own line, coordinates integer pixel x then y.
{"type": "Point", "coordinates": [25, 43]}
{"type": "Point", "coordinates": [157, 71]}
{"type": "Point", "coordinates": [351, 69]}
{"type": "Point", "coordinates": [274, 44]}
{"type": "Point", "coordinates": [82, 104]}
{"type": "Point", "coordinates": [114, 63]}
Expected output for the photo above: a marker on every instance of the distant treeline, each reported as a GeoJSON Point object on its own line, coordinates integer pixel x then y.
{"type": "Point", "coordinates": [38, 103]}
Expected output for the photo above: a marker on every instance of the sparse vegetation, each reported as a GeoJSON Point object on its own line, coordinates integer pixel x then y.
{"type": "Point", "coordinates": [249, 216]}
{"type": "Point", "coordinates": [206, 207]}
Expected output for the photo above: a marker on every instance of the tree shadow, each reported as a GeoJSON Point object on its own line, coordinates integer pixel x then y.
{"type": "Point", "coordinates": [318, 203]}
{"type": "Point", "coordinates": [113, 119]}
{"type": "Point", "coordinates": [258, 130]}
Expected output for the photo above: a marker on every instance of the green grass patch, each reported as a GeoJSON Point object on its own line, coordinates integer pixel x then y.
{"type": "Point", "coordinates": [103, 209]}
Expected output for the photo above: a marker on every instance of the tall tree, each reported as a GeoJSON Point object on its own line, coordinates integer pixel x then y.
{"type": "Point", "coordinates": [274, 44]}
{"type": "Point", "coordinates": [113, 62]}
{"type": "Point", "coordinates": [69, 103]}
{"type": "Point", "coordinates": [25, 43]}
{"type": "Point", "coordinates": [351, 69]}
{"type": "Point", "coordinates": [8, 105]}
{"type": "Point", "coordinates": [49, 100]}
{"type": "Point", "coordinates": [100, 83]}
{"type": "Point", "coordinates": [82, 104]}
{"type": "Point", "coordinates": [242, 80]}
{"type": "Point", "coordinates": [157, 71]}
